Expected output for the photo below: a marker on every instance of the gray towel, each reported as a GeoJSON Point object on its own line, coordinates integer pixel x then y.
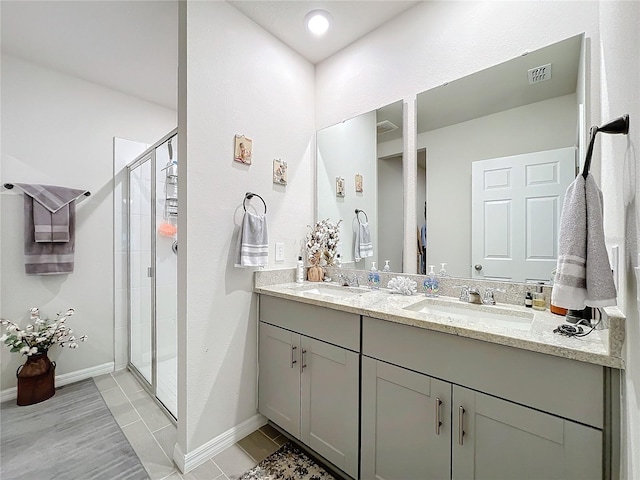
{"type": "Point", "coordinates": [50, 210]}
{"type": "Point", "coordinates": [583, 276]}
{"type": "Point", "coordinates": [253, 241]}
{"type": "Point", "coordinates": [47, 258]}
{"type": "Point", "coordinates": [363, 247]}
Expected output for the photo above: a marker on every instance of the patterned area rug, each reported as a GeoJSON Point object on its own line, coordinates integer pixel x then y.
{"type": "Point", "coordinates": [71, 436]}
{"type": "Point", "coordinates": [287, 463]}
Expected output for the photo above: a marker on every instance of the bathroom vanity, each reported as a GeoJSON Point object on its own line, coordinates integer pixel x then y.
{"type": "Point", "coordinates": [403, 387]}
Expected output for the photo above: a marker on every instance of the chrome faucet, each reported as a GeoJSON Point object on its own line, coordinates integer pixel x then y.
{"type": "Point", "coordinates": [345, 281]}
{"type": "Point", "coordinates": [489, 295]}
{"type": "Point", "coordinates": [464, 293]}
{"type": "Point", "coordinates": [474, 295]}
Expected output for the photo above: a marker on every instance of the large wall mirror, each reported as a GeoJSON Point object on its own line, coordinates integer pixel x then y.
{"type": "Point", "coordinates": [496, 151]}
{"type": "Point", "coordinates": [359, 166]}
{"type": "Point", "coordinates": [499, 149]}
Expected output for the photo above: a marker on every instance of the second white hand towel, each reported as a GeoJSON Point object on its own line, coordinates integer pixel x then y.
{"type": "Point", "coordinates": [583, 275]}
{"type": "Point", "coordinates": [253, 248]}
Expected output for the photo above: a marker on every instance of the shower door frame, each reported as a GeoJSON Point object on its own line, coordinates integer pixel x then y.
{"type": "Point", "coordinates": [149, 155]}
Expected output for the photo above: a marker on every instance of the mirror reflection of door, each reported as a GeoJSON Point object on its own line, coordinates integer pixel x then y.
{"type": "Point", "coordinates": [516, 203]}
{"type": "Point", "coordinates": [421, 211]}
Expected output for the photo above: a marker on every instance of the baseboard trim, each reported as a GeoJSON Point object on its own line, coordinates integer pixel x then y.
{"type": "Point", "coordinates": [65, 379]}
{"type": "Point", "coordinates": [189, 461]}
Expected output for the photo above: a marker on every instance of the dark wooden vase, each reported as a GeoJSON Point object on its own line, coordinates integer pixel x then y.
{"type": "Point", "coordinates": [36, 379]}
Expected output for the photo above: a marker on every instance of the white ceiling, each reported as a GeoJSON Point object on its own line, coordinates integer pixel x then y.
{"type": "Point", "coordinates": [351, 21]}
{"type": "Point", "coordinates": [132, 46]}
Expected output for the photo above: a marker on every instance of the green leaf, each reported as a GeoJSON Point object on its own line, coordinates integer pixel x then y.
{"type": "Point", "coordinates": [15, 349]}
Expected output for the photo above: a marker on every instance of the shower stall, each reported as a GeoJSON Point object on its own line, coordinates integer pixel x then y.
{"type": "Point", "coordinates": [152, 269]}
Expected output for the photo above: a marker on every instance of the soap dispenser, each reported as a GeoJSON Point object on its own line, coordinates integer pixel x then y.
{"type": "Point", "coordinates": [373, 279]}
{"type": "Point", "coordinates": [386, 267]}
{"type": "Point", "coordinates": [431, 283]}
{"type": "Point", "coordinates": [443, 270]}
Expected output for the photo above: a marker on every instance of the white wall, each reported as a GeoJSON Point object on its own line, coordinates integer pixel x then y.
{"type": "Point", "coordinates": [59, 130]}
{"type": "Point", "coordinates": [390, 212]}
{"type": "Point", "coordinates": [452, 149]}
{"type": "Point", "coordinates": [344, 150]}
{"type": "Point", "coordinates": [620, 67]}
{"type": "Point", "coordinates": [234, 78]}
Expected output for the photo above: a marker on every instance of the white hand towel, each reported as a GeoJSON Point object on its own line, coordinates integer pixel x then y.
{"type": "Point", "coordinates": [583, 276]}
{"type": "Point", "coordinates": [253, 242]}
{"type": "Point", "coordinates": [363, 247]}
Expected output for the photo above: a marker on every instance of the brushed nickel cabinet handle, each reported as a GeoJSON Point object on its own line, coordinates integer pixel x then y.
{"type": "Point", "coordinates": [438, 422]}
{"type": "Point", "coordinates": [302, 363]}
{"type": "Point", "coordinates": [293, 355]}
{"type": "Point", "coordinates": [460, 425]}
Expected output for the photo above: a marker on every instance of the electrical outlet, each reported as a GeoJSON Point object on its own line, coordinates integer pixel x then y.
{"type": "Point", "coordinates": [279, 252]}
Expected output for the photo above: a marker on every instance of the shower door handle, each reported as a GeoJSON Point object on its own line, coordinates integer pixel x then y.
{"type": "Point", "coordinates": [149, 272]}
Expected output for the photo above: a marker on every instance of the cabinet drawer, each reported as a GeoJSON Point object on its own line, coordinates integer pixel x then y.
{"type": "Point", "coordinates": [567, 388]}
{"type": "Point", "coordinates": [332, 326]}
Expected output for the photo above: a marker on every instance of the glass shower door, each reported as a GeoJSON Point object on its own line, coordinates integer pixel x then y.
{"type": "Point", "coordinates": [140, 269]}
{"type": "Point", "coordinates": [166, 259]}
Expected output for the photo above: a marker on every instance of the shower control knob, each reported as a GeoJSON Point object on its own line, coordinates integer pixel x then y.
{"type": "Point", "coordinates": [478, 267]}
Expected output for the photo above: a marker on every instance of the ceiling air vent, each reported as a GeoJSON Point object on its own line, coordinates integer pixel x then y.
{"type": "Point", "coordinates": [385, 126]}
{"type": "Point", "coordinates": [540, 74]}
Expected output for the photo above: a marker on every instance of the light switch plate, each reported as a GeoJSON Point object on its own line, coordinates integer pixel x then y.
{"type": "Point", "coordinates": [279, 252]}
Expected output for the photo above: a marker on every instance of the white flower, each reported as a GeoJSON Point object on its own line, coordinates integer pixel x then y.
{"type": "Point", "coordinates": [72, 339]}
{"type": "Point", "coordinates": [4, 337]}
{"type": "Point", "coordinates": [70, 312]}
{"type": "Point", "coordinates": [41, 339]}
{"type": "Point", "coordinates": [29, 328]}
{"type": "Point", "coordinates": [35, 312]}
{"type": "Point", "coordinates": [83, 338]}
{"type": "Point", "coordinates": [25, 350]}
{"type": "Point", "coordinates": [73, 345]}
{"type": "Point", "coordinates": [33, 351]}
{"type": "Point", "coordinates": [12, 329]}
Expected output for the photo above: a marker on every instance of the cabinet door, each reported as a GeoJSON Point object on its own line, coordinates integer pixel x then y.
{"type": "Point", "coordinates": [503, 440]}
{"type": "Point", "coordinates": [406, 424]}
{"type": "Point", "coordinates": [279, 377]}
{"type": "Point", "coordinates": [330, 397]}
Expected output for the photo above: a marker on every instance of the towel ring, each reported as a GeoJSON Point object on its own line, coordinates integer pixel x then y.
{"type": "Point", "coordinates": [358, 211]}
{"type": "Point", "coordinates": [250, 195]}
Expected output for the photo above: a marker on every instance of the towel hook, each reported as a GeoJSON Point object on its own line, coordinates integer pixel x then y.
{"type": "Point", "coordinates": [619, 125]}
{"type": "Point", "coordinates": [9, 186]}
{"type": "Point", "coordinates": [358, 212]}
{"type": "Point", "coordinates": [250, 195]}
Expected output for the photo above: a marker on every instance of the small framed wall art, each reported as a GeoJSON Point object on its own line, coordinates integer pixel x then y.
{"type": "Point", "coordinates": [279, 171]}
{"type": "Point", "coordinates": [358, 183]}
{"type": "Point", "coordinates": [339, 187]}
{"type": "Point", "coordinates": [243, 148]}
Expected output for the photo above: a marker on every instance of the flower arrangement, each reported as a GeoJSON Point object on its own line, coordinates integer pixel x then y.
{"type": "Point", "coordinates": [322, 242]}
{"type": "Point", "coordinates": [39, 335]}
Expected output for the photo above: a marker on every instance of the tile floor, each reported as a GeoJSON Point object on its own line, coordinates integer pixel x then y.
{"type": "Point", "coordinates": [152, 435]}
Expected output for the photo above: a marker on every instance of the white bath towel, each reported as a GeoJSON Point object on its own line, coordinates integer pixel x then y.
{"type": "Point", "coordinates": [583, 276]}
{"type": "Point", "coordinates": [363, 247]}
{"type": "Point", "coordinates": [253, 241]}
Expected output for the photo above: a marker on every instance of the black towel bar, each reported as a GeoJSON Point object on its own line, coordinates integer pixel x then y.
{"type": "Point", "coordinates": [9, 186]}
{"type": "Point", "coordinates": [619, 125]}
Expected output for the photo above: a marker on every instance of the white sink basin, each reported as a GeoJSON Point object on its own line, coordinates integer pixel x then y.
{"type": "Point", "coordinates": [330, 291]}
{"type": "Point", "coordinates": [475, 314]}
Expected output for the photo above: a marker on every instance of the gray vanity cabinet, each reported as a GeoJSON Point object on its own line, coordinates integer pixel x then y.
{"type": "Point", "coordinates": [279, 384]}
{"type": "Point", "coordinates": [406, 424]}
{"type": "Point", "coordinates": [308, 386]}
{"type": "Point", "coordinates": [497, 439]}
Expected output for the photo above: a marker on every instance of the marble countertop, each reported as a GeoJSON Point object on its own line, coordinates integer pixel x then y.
{"type": "Point", "coordinates": [532, 330]}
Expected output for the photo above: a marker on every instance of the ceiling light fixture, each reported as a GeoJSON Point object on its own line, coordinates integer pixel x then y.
{"type": "Point", "coordinates": [318, 21]}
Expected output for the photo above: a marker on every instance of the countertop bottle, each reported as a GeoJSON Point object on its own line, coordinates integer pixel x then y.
{"type": "Point", "coordinates": [528, 300]}
{"type": "Point", "coordinates": [443, 270]}
{"type": "Point", "coordinates": [539, 302]}
{"type": "Point", "coordinates": [386, 267]}
{"type": "Point", "coordinates": [373, 279]}
{"type": "Point", "coordinates": [431, 283]}
{"type": "Point", "coordinates": [300, 270]}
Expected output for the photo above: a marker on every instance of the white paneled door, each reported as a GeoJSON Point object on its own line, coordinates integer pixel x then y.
{"type": "Point", "coordinates": [516, 206]}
